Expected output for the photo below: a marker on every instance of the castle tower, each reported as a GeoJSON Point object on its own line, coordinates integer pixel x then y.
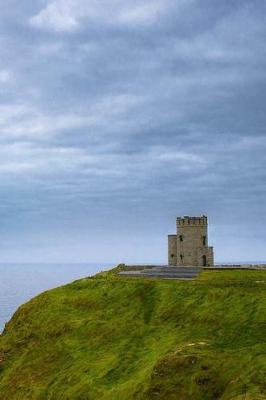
{"type": "Point", "coordinates": [190, 245]}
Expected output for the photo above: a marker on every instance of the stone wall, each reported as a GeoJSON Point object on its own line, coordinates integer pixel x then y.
{"type": "Point", "coordinates": [205, 252]}
{"type": "Point", "coordinates": [172, 250]}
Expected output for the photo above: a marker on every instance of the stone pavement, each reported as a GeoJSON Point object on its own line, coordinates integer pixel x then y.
{"type": "Point", "coordinates": [162, 272]}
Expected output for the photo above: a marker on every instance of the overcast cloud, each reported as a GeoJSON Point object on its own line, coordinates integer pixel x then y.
{"type": "Point", "coordinates": [117, 116]}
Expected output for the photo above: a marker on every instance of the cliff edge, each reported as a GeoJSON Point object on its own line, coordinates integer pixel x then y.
{"type": "Point", "coordinates": [110, 337]}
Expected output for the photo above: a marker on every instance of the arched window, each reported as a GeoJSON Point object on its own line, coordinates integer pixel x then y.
{"type": "Point", "coordinates": [181, 238]}
{"type": "Point", "coordinates": [204, 261]}
{"type": "Point", "coordinates": [204, 240]}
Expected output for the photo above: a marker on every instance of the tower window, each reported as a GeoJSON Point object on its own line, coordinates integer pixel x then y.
{"type": "Point", "coordinates": [172, 255]}
{"type": "Point", "coordinates": [204, 240]}
{"type": "Point", "coordinates": [181, 238]}
{"type": "Point", "coordinates": [181, 257]}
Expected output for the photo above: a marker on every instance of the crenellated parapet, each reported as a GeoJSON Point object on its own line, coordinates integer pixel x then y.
{"type": "Point", "coordinates": [192, 221]}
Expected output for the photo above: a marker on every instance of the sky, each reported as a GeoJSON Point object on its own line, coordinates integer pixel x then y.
{"type": "Point", "coordinates": [118, 116]}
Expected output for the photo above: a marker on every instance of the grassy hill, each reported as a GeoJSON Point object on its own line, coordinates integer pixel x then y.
{"type": "Point", "coordinates": [117, 338]}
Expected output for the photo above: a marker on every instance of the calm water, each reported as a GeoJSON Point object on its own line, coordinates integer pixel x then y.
{"type": "Point", "coordinates": [20, 282]}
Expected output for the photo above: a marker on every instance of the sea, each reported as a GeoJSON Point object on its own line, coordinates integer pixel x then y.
{"type": "Point", "coordinates": [20, 282]}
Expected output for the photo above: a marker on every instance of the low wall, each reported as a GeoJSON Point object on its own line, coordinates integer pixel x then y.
{"type": "Point", "coordinates": [215, 267]}
{"type": "Point", "coordinates": [238, 266]}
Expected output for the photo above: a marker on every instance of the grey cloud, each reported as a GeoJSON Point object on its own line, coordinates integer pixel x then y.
{"type": "Point", "coordinates": [69, 15]}
{"type": "Point", "coordinates": [119, 118]}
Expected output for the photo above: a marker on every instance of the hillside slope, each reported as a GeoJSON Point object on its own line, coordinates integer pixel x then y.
{"type": "Point", "coordinates": [119, 338]}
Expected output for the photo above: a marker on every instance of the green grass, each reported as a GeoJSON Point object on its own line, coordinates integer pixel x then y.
{"type": "Point", "coordinates": [109, 337]}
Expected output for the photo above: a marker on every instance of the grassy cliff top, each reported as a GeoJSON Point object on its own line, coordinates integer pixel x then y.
{"type": "Point", "coordinates": [108, 337]}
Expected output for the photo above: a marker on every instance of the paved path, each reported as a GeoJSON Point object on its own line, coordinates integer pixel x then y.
{"type": "Point", "coordinates": [163, 272]}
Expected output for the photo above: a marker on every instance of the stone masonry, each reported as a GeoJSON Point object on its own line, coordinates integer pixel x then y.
{"type": "Point", "coordinates": [189, 247]}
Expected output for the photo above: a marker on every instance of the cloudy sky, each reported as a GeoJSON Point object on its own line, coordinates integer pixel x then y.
{"type": "Point", "coordinates": [117, 116]}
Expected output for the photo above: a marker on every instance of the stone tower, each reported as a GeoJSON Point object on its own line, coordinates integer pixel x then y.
{"type": "Point", "coordinates": [190, 245]}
